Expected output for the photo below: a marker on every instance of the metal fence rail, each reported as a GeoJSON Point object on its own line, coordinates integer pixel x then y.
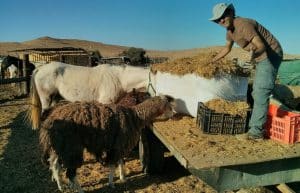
{"type": "Point", "coordinates": [14, 80]}
{"type": "Point", "coordinates": [22, 82]}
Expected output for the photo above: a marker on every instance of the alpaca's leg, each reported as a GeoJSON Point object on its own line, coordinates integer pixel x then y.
{"type": "Point", "coordinates": [71, 174]}
{"type": "Point", "coordinates": [121, 170]}
{"type": "Point", "coordinates": [56, 169]}
{"type": "Point", "coordinates": [75, 185]}
{"type": "Point", "coordinates": [111, 175]}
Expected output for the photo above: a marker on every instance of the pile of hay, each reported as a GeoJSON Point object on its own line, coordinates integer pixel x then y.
{"type": "Point", "coordinates": [228, 107]}
{"type": "Point", "coordinates": [200, 65]}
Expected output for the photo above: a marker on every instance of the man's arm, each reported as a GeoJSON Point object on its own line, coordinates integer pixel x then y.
{"type": "Point", "coordinates": [223, 52]}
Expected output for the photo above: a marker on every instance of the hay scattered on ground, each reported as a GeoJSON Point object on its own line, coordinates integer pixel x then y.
{"type": "Point", "coordinates": [228, 107]}
{"type": "Point", "coordinates": [200, 65]}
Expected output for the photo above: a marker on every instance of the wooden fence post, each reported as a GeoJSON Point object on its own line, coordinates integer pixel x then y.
{"type": "Point", "coordinates": [26, 85]}
{"type": "Point", "coordinates": [90, 61]}
{"type": "Point", "coordinates": [62, 58]}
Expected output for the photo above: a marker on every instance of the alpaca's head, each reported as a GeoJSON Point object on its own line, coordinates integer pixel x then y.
{"type": "Point", "coordinates": [167, 108]}
{"type": "Point", "coordinates": [157, 108]}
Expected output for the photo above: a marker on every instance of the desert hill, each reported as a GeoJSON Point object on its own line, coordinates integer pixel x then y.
{"type": "Point", "coordinates": [108, 50]}
{"type": "Point", "coordinates": [48, 42]}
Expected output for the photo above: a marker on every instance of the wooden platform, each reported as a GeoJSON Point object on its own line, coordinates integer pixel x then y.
{"type": "Point", "coordinates": [216, 157]}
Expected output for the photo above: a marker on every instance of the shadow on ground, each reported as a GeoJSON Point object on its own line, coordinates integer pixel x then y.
{"type": "Point", "coordinates": [20, 165]}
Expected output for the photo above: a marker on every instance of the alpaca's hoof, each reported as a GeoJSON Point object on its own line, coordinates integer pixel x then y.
{"type": "Point", "coordinates": [112, 186]}
{"type": "Point", "coordinates": [61, 188]}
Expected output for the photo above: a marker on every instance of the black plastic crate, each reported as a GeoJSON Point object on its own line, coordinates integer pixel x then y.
{"type": "Point", "coordinates": [220, 123]}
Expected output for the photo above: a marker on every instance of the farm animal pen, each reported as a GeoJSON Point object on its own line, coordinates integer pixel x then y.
{"type": "Point", "coordinates": [23, 77]}
{"type": "Point", "coordinates": [75, 56]}
{"type": "Point", "coordinates": [70, 55]}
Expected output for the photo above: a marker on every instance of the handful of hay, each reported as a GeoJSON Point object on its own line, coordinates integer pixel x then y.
{"type": "Point", "coordinates": [200, 65]}
{"type": "Point", "coordinates": [228, 107]}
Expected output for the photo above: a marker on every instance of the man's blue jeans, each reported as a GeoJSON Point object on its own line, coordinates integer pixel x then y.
{"type": "Point", "coordinates": [263, 85]}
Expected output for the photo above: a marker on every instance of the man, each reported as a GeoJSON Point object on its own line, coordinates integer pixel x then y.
{"type": "Point", "coordinates": [265, 51]}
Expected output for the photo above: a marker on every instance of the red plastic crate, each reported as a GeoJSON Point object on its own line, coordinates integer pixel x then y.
{"type": "Point", "coordinates": [283, 125]}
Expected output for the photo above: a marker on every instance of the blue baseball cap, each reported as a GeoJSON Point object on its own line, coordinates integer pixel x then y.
{"type": "Point", "coordinates": [219, 10]}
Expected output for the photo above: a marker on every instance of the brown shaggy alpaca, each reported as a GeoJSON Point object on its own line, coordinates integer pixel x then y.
{"type": "Point", "coordinates": [110, 132]}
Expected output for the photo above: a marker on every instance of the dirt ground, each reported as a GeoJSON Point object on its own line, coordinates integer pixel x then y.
{"type": "Point", "coordinates": [21, 170]}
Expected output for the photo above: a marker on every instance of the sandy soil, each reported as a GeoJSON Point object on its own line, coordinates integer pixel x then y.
{"type": "Point", "coordinates": [22, 170]}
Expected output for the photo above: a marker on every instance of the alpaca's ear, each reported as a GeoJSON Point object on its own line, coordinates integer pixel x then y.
{"type": "Point", "coordinates": [153, 71]}
{"type": "Point", "coordinates": [170, 99]}
{"type": "Point", "coordinates": [172, 102]}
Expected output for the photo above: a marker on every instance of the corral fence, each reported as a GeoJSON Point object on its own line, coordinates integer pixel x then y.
{"type": "Point", "coordinates": [115, 60]}
{"type": "Point", "coordinates": [121, 60]}
{"type": "Point", "coordinates": [155, 60]}
{"type": "Point", "coordinates": [22, 82]}
{"type": "Point", "coordinates": [70, 55]}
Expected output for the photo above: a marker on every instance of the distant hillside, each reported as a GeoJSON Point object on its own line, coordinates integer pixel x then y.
{"type": "Point", "coordinates": [107, 50]}
{"type": "Point", "coordinates": [48, 42]}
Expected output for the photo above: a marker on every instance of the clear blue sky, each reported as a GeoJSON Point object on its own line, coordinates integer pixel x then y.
{"type": "Point", "coordinates": [148, 24]}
